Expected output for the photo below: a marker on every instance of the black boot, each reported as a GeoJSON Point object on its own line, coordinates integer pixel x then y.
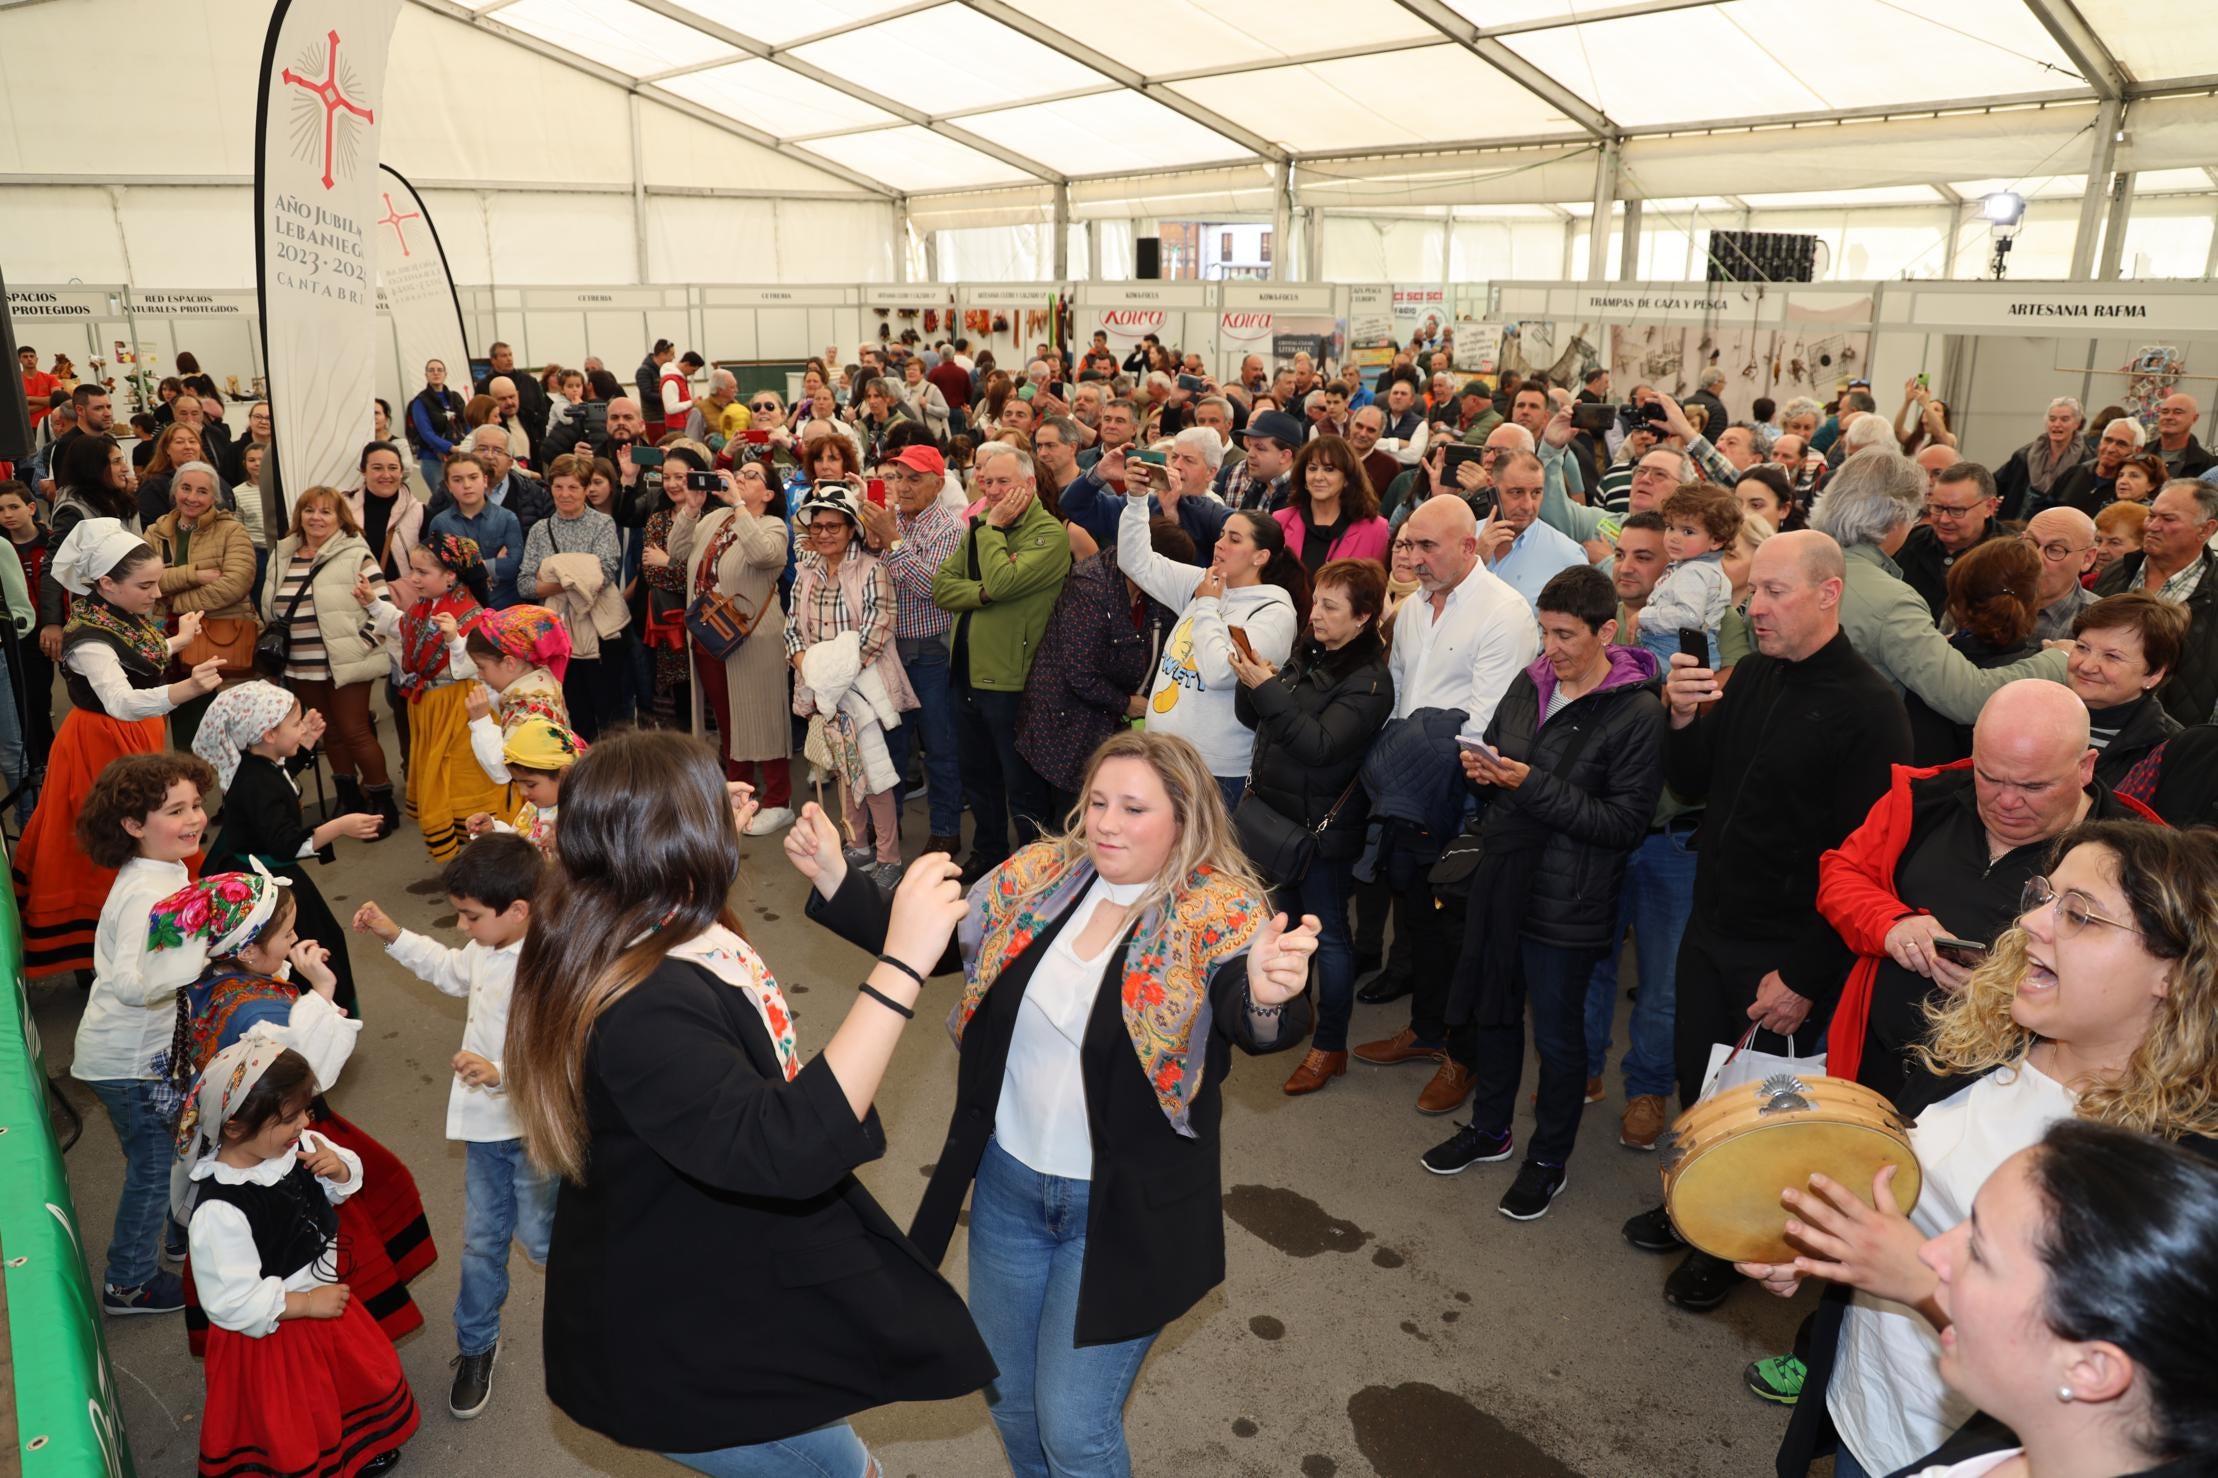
{"type": "Point", "coordinates": [380, 799]}
{"type": "Point", "coordinates": [346, 796]}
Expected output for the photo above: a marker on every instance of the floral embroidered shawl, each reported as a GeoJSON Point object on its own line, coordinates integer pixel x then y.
{"type": "Point", "coordinates": [733, 960]}
{"type": "Point", "coordinates": [423, 658]}
{"type": "Point", "coordinates": [135, 634]}
{"type": "Point", "coordinates": [1166, 967]}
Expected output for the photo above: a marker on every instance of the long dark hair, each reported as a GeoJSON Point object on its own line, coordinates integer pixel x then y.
{"type": "Point", "coordinates": [625, 893]}
{"type": "Point", "coordinates": [2131, 1250]}
{"type": "Point", "coordinates": [1285, 570]}
{"type": "Point", "coordinates": [1359, 501]}
{"type": "Point", "coordinates": [84, 472]}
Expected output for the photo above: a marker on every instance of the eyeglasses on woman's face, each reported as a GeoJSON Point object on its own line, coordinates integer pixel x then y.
{"type": "Point", "coordinates": [2074, 912]}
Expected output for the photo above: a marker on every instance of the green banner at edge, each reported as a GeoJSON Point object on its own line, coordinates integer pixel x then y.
{"type": "Point", "coordinates": [69, 1422]}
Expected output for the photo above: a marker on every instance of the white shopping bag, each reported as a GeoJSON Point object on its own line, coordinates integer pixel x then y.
{"type": "Point", "coordinates": [1738, 1064]}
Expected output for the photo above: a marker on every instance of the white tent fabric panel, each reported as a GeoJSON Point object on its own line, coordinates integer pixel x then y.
{"type": "Point", "coordinates": [2167, 238]}
{"type": "Point", "coordinates": [1494, 177]}
{"type": "Point", "coordinates": [949, 58]}
{"type": "Point", "coordinates": [913, 158]}
{"type": "Point", "coordinates": [57, 71]}
{"type": "Point", "coordinates": [2010, 142]}
{"type": "Point", "coordinates": [780, 21]}
{"type": "Point", "coordinates": [1376, 249]}
{"type": "Point", "coordinates": [682, 151]}
{"type": "Point", "coordinates": [961, 210]}
{"type": "Point", "coordinates": [54, 233]}
{"type": "Point", "coordinates": [2171, 133]}
{"type": "Point", "coordinates": [696, 239]}
{"type": "Point", "coordinates": [833, 241]}
{"type": "Point", "coordinates": [1480, 251]}
{"type": "Point", "coordinates": [1245, 189]}
{"type": "Point", "coordinates": [764, 95]}
{"type": "Point", "coordinates": [189, 237]}
{"type": "Point", "coordinates": [616, 33]}
{"type": "Point", "coordinates": [459, 216]}
{"type": "Point", "coordinates": [2155, 39]}
{"type": "Point", "coordinates": [995, 254]}
{"type": "Point", "coordinates": [449, 79]}
{"type": "Point", "coordinates": [1225, 32]}
{"type": "Point", "coordinates": [1070, 136]}
{"type": "Point", "coordinates": [1372, 101]}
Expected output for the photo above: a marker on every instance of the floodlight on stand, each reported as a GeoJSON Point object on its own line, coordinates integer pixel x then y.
{"type": "Point", "coordinates": [2004, 207]}
{"type": "Point", "coordinates": [2005, 212]}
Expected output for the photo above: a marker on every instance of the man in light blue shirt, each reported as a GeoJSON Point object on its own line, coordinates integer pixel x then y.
{"type": "Point", "coordinates": [1515, 545]}
{"type": "Point", "coordinates": [499, 537]}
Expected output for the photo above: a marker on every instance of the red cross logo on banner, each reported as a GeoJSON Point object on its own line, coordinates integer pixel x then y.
{"type": "Point", "coordinates": [327, 92]}
{"type": "Point", "coordinates": [393, 217]}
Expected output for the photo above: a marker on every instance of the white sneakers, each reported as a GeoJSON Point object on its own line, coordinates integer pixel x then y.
{"type": "Point", "coordinates": [776, 818]}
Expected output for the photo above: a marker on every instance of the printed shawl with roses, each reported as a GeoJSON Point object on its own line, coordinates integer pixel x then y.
{"type": "Point", "coordinates": [1164, 979]}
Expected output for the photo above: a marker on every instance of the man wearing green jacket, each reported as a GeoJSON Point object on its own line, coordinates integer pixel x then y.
{"type": "Point", "coordinates": [1001, 583]}
{"type": "Point", "coordinates": [1870, 506]}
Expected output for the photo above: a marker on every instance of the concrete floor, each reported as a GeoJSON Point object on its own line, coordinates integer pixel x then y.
{"type": "Point", "coordinates": [1375, 1319]}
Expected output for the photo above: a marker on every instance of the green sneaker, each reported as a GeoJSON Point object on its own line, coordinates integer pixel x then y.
{"type": "Point", "coordinates": [1777, 1378]}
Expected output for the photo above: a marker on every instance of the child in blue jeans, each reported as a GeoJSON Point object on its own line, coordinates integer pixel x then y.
{"type": "Point", "coordinates": [490, 886]}
{"type": "Point", "coordinates": [1701, 521]}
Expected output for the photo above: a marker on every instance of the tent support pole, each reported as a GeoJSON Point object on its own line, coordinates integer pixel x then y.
{"type": "Point", "coordinates": [1093, 250]}
{"type": "Point", "coordinates": [639, 189]}
{"type": "Point", "coordinates": [1598, 226]}
{"type": "Point", "coordinates": [1628, 256]}
{"type": "Point", "coordinates": [1282, 224]}
{"type": "Point", "coordinates": [1059, 223]}
{"type": "Point", "coordinates": [901, 239]}
{"type": "Point", "coordinates": [2114, 230]}
{"type": "Point", "coordinates": [2105, 151]}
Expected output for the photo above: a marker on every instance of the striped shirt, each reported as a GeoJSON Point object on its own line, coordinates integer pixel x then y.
{"type": "Point", "coordinates": [305, 660]}
{"type": "Point", "coordinates": [927, 539]}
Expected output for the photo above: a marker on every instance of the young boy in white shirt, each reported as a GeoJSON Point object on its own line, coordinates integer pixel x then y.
{"type": "Point", "coordinates": [490, 885]}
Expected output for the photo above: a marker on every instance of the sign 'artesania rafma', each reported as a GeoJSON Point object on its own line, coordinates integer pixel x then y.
{"type": "Point", "coordinates": [316, 187]}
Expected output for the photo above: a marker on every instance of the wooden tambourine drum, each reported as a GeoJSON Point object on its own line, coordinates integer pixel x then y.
{"type": "Point", "coordinates": [1736, 1151]}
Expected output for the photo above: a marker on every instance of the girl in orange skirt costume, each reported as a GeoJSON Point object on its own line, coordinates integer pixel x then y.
{"type": "Point", "coordinates": [115, 666]}
{"type": "Point", "coordinates": [300, 1378]}
{"type": "Point", "coordinates": [240, 930]}
{"type": "Point", "coordinates": [446, 785]}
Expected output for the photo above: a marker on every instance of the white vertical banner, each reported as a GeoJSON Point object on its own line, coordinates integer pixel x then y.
{"type": "Point", "coordinates": [315, 204]}
{"type": "Point", "coordinates": [416, 286]}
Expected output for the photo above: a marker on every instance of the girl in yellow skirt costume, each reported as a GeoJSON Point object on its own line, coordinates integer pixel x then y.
{"type": "Point", "coordinates": [446, 785]}
{"type": "Point", "coordinates": [116, 668]}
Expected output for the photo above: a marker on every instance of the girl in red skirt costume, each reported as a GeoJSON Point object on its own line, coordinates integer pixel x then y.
{"type": "Point", "coordinates": [300, 1378]}
{"type": "Point", "coordinates": [115, 666]}
{"type": "Point", "coordinates": [242, 929]}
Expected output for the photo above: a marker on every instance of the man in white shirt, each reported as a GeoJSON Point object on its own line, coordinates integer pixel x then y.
{"type": "Point", "coordinates": [1457, 645]}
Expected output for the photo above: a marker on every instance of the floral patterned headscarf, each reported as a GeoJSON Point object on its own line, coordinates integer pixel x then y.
{"type": "Point", "coordinates": [454, 552]}
{"type": "Point", "coordinates": [530, 634]}
{"type": "Point", "coordinates": [238, 718]}
{"type": "Point", "coordinates": [542, 744]}
{"type": "Point", "coordinates": [221, 1087]}
{"type": "Point", "coordinates": [220, 915]}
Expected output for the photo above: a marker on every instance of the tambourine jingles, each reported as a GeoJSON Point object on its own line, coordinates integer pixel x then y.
{"type": "Point", "coordinates": [1732, 1154]}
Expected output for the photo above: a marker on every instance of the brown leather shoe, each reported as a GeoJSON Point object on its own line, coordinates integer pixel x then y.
{"type": "Point", "coordinates": [1318, 1068]}
{"type": "Point", "coordinates": [1449, 1089]}
{"type": "Point", "coordinates": [1644, 1122]}
{"type": "Point", "coordinates": [1395, 1050]}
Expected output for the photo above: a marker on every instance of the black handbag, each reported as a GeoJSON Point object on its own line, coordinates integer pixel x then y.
{"type": "Point", "coordinates": [274, 647]}
{"type": "Point", "coordinates": [1281, 848]}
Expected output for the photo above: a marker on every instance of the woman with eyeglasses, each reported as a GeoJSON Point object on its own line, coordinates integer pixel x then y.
{"type": "Point", "coordinates": [2100, 1004]}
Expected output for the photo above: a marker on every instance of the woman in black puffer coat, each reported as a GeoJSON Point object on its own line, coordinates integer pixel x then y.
{"type": "Point", "coordinates": [1313, 724]}
{"type": "Point", "coordinates": [1569, 790]}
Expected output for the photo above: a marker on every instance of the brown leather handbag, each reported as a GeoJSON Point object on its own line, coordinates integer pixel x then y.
{"type": "Point", "coordinates": [230, 637]}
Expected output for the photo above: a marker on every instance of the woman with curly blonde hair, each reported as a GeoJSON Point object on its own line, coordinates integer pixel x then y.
{"type": "Point", "coordinates": [2101, 1004]}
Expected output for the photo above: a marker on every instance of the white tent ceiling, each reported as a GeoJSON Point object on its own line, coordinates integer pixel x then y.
{"type": "Point", "coordinates": [940, 95]}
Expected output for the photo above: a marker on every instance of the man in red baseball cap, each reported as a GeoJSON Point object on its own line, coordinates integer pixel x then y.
{"type": "Point", "coordinates": [913, 538]}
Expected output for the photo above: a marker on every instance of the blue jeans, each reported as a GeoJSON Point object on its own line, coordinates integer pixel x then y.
{"type": "Point", "coordinates": [924, 659]}
{"type": "Point", "coordinates": [505, 1198]}
{"type": "Point", "coordinates": [1846, 1466]}
{"type": "Point", "coordinates": [1232, 787]}
{"type": "Point", "coordinates": [1059, 1405]}
{"type": "Point", "coordinates": [827, 1452]}
{"type": "Point", "coordinates": [12, 765]}
{"type": "Point", "coordinates": [1555, 992]}
{"type": "Point", "coordinates": [1656, 899]}
{"type": "Point", "coordinates": [1324, 891]}
{"type": "Point", "coordinates": [134, 1244]}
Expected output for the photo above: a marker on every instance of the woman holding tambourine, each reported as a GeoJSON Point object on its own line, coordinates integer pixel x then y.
{"type": "Point", "coordinates": [2101, 1004]}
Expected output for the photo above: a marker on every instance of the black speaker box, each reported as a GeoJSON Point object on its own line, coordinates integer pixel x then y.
{"type": "Point", "coordinates": [1147, 258]}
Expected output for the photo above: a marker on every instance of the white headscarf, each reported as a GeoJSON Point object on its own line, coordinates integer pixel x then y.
{"type": "Point", "coordinates": [91, 549]}
{"type": "Point", "coordinates": [239, 717]}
